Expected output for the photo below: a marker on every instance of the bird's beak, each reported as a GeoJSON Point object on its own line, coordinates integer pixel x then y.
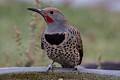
{"type": "Point", "coordinates": [40, 11]}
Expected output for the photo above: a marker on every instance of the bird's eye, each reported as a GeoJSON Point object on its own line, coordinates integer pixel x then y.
{"type": "Point", "coordinates": [51, 12]}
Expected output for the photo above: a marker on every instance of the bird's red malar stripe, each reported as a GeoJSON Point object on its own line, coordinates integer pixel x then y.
{"type": "Point", "coordinates": [49, 19]}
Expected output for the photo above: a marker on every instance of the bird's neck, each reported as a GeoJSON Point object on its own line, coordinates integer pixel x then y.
{"type": "Point", "coordinates": [56, 28]}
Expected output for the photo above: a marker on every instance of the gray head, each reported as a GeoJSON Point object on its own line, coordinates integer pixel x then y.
{"type": "Point", "coordinates": [56, 22]}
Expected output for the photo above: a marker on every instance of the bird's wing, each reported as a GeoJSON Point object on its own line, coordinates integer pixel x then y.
{"type": "Point", "coordinates": [79, 45]}
{"type": "Point", "coordinates": [42, 44]}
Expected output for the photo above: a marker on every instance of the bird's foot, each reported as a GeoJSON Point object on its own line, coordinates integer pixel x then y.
{"type": "Point", "coordinates": [78, 68]}
{"type": "Point", "coordinates": [50, 67]}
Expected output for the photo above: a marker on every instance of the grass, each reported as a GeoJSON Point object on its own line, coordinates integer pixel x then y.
{"type": "Point", "coordinates": [99, 30]}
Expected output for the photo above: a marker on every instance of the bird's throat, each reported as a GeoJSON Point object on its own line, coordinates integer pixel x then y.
{"type": "Point", "coordinates": [49, 19]}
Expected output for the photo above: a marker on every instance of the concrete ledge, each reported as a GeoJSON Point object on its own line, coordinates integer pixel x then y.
{"type": "Point", "coordinates": [105, 74]}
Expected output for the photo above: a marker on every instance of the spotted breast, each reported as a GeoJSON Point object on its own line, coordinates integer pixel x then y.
{"type": "Point", "coordinates": [64, 48]}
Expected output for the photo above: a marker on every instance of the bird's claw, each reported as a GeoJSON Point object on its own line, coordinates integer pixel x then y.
{"type": "Point", "coordinates": [77, 68]}
{"type": "Point", "coordinates": [50, 67]}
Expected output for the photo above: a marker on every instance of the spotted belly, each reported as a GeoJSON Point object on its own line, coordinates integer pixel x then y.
{"type": "Point", "coordinates": [66, 54]}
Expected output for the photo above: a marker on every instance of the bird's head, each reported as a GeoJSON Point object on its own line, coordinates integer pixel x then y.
{"type": "Point", "coordinates": [50, 14]}
{"type": "Point", "coordinates": [56, 22]}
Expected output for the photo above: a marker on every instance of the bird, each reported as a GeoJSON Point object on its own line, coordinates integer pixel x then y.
{"type": "Point", "coordinates": [61, 41]}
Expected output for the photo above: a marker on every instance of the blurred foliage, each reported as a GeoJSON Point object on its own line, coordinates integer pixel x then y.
{"type": "Point", "coordinates": [99, 30]}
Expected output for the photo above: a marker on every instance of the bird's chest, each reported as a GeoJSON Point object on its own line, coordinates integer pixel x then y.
{"type": "Point", "coordinates": [60, 52]}
{"type": "Point", "coordinates": [54, 39]}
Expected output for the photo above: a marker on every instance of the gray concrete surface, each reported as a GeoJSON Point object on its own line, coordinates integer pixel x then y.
{"type": "Point", "coordinates": [8, 70]}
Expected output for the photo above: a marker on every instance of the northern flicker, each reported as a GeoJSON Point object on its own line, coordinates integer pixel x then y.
{"type": "Point", "coordinates": [61, 41]}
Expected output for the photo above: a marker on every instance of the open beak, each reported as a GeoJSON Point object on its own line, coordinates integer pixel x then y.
{"type": "Point", "coordinates": [40, 11]}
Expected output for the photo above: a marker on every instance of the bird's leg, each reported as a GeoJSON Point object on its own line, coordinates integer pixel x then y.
{"type": "Point", "coordinates": [50, 67]}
